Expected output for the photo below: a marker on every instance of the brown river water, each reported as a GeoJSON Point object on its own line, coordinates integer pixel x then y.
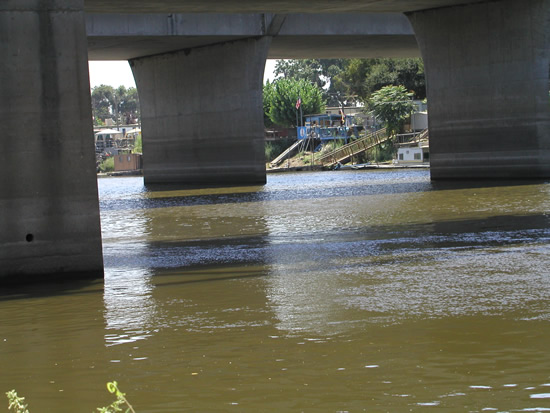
{"type": "Point", "coordinates": [343, 291]}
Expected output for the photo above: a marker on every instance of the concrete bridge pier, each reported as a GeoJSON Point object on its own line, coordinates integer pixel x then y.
{"type": "Point", "coordinates": [49, 211]}
{"type": "Point", "coordinates": [202, 116]}
{"type": "Point", "coordinates": [487, 85]}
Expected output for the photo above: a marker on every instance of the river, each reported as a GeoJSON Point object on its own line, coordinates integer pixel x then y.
{"type": "Point", "coordinates": [341, 291]}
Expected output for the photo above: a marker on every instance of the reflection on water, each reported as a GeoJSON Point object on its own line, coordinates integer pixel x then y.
{"type": "Point", "coordinates": [129, 306]}
{"type": "Point", "coordinates": [337, 291]}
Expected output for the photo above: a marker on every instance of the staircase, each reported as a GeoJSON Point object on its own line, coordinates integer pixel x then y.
{"type": "Point", "coordinates": [356, 147]}
{"type": "Point", "coordinates": [423, 135]}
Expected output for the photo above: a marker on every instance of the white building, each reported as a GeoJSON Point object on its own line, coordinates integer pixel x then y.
{"type": "Point", "coordinates": [415, 153]}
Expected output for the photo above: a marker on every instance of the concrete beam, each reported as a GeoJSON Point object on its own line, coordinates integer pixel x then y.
{"type": "Point", "coordinates": [487, 86]}
{"type": "Point", "coordinates": [129, 36]}
{"type": "Point", "coordinates": [49, 210]}
{"type": "Point", "coordinates": [361, 35]}
{"type": "Point", "coordinates": [202, 116]}
{"type": "Point", "coordinates": [269, 6]}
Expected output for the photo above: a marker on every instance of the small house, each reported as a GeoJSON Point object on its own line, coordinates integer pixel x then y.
{"type": "Point", "coordinates": [127, 162]}
{"type": "Point", "coordinates": [417, 153]}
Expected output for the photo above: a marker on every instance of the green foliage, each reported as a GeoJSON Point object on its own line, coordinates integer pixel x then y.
{"type": "Point", "coordinates": [280, 100]}
{"type": "Point", "coordinates": [384, 152]}
{"type": "Point", "coordinates": [332, 146]}
{"type": "Point", "coordinates": [108, 165]}
{"type": "Point", "coordinates": [362, 77]}
{"type": "Point", "coordinates": [391, 104]}
{"type": "Point", "coordinates": [102, 98]}
{"type": "Point", "coordinates": [275, 148]}
{"type": "Point", "coordinates": [319, 72]}
{"type": "Point", "coordinates": [127, 101]}
{"type": "Point", "coordinates": [119, 403]}
{"type": "Point", "coordinates": [121, 104]}
{"type": "Point", "coordinates": [138, 145]}
{"type": "Point", "coordinates": [16, 403]}
{"type": "Point", "coordinates": [268, 91]}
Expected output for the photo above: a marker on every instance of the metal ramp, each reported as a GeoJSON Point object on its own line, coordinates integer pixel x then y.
{"type": "Point", "coordinates": [275, 162]}
{"type": "Point", "coordinates": [356, 147]}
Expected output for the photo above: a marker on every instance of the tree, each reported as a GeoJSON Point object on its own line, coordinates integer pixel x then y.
{"type": "Point", "coordinates": [121, 104]}
{"type": "Point", "coordinates": [280, 99]}
{"type": "Point", "coordinates": [102, 98]}
{"type": "Point", "coordinates": [127, 104]}
{"type": "Point", "coordinates": [267, 100]}
{"type": "Point", "coordinates": [316, 71]}
{"type": "Point", "coordinates": [392, 104]}
{"type": "Point", "coordinates": [362, 77]}
{"type": "Point", "coordinates": [406, 72]}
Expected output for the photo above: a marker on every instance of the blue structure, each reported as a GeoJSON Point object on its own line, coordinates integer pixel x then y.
{"type": "Point", "coordinates": [326, 127]}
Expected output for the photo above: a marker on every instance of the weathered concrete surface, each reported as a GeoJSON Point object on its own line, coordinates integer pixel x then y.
{"type": "Point", "coordinates": [49, 212]}
{"type": "Point", "coordinates": [128, 36]}
{"type": "Point", "coordinates": [263, 6]}
{"type": "Point", "coordinates": [344, 36]}
{"type": "Point", "coordinates": [487, 86]}
{"type": "Point", "coordinates": [202, 114]}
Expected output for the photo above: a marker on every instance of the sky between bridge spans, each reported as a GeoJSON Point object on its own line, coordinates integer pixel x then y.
{"type": "Point", "coordinates": [117, 73]}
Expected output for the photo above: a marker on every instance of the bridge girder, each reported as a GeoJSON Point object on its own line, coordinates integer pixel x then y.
{"type": "Point", "coordinates": [266, 6]}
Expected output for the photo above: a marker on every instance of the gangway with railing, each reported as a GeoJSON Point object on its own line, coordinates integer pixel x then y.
{"type": "Point", "coordinates": [354, 148]}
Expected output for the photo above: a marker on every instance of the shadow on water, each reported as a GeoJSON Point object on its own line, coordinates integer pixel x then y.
{"type": "Point", "coordinates": [153, 198]}
{"type": "Point", "coordinates": [250, 250]}
{"type": "Point", "coordinates": [204, 274]}
{"type": "Point", "coordinates": [454, 184]}
{"type": "Point", "coordinates": [187, 187]}
{"type": "Point", "coordinates": [257, 250]}
{"type": "Point", "coordinates": [51, 287]}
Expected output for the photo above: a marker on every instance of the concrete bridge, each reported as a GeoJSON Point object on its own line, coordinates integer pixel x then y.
{"type": "Point", "coordinates": [487, 83]}
{"type": "Point", "coordinates": [293, 36]}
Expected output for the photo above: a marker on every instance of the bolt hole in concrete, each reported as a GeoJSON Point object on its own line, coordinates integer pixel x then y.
{"type": "Point", "coordinates": [29, 237]}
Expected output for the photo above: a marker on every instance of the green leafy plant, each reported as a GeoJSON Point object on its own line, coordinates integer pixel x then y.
{"type": "Point", "coordinates": [392, 104]}
{"type": "Point", "coordinates": [119, 403]}
{"type": "Point", "coordinates": [108, 165]}
{"type": "Point", "coordinates": [138, 145]}
{"type": "Point", "coordinates": [281, 96]}
{"type": "Point", "coordinates": [16, 403]}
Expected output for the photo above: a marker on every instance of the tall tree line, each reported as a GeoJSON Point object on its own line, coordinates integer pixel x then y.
{"type": "Point", "coordinates": [349, 81]}
{"type": "Point", "coordinates": [120, 104]}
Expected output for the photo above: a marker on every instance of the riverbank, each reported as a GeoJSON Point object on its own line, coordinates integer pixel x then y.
{"type": "Point", "coordinates": [295, 168]}
{"type": "Point", "coordinates": [349, 167]}
{"type": "Point", "coordinates": [138, 172]}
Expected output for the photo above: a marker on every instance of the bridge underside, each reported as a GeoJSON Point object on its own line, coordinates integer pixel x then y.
{"type": "Point", "coordinates": [202, 114]}
{"type": "Point", "coordinates": [287, 47]}
{"type": "Point", "coordinates": [131, 36]}
{"type": "Point", "coordinates": [262, 6]}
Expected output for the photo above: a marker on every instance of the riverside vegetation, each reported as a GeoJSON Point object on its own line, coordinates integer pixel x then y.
{"type": "Point", "coordinates": [17, 404]}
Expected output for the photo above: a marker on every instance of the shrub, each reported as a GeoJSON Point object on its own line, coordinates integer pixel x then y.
{"type": "Point", "coordinates": [108, 165]}
{"type": "Point", "coordinates": [16, 402]}
{"type": "Point", "coordinates": [275, 148]}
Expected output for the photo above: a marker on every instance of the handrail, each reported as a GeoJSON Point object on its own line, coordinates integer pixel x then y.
{"type": "Point", "coordinates": [353, 148]}
{"type": "Point", "coordinates": [284, 155]}
{"type": "Point", "coordinates": [423, 135]}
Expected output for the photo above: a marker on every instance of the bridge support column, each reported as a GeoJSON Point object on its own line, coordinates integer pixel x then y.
{"type": "Point", "coordinates": [49, 211]}
{"type": "Point", "coordinates": [487, 86]}
{"type": "Point", "coordinates": [202, 114]}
